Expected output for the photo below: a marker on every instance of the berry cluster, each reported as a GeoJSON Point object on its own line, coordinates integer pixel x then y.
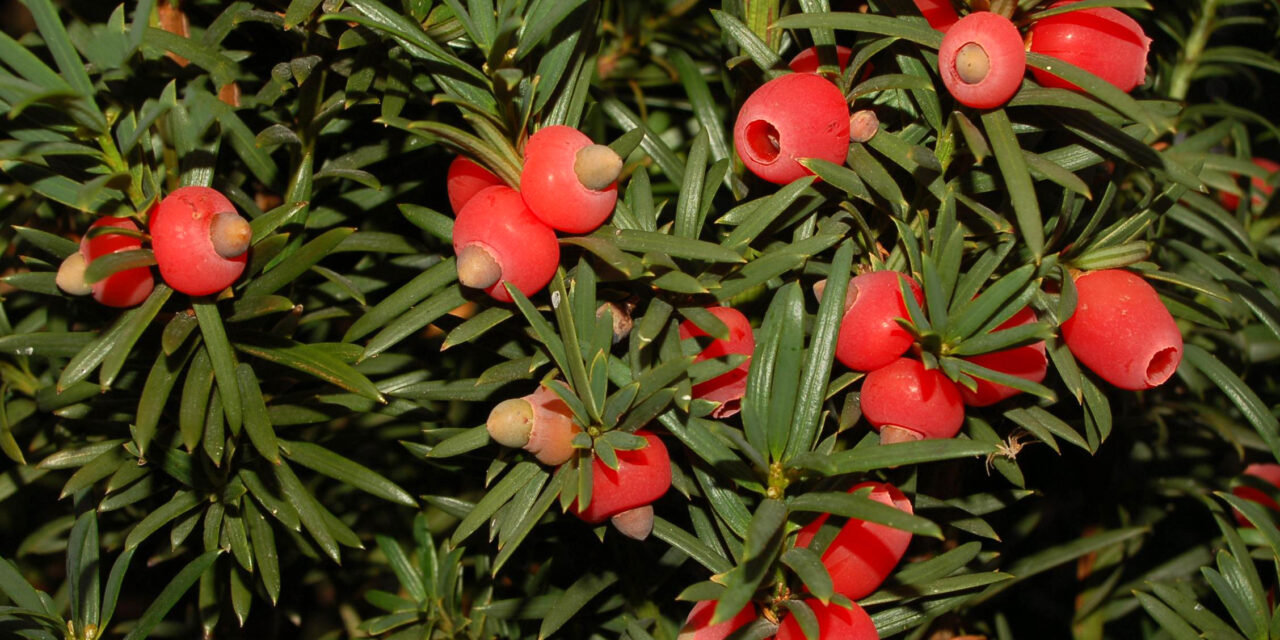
{"type": "Point", "coordinates": [198, 240]}
{"type": "Point", "coordinates": [982, 59]}
{"type": "Point", "coordinates": [1120, 330]}
{"type": "Point", "coordinates": [859, 558]}
{"type": "Point", "coordinates": [504, 236]}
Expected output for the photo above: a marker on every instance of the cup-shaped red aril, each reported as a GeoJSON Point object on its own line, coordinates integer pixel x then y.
{"type": "Point", "coordinates": [982, 60]}
{"type": "Point", "coordinates": [905, 401]}
{"type": "Point", "coordinates": [569, 182]}
{"type": "Point", "coordinates": [1261, 187]}
{"type": "Point", "coordinates": [773, 131]}
{"type": "Point", "coordinates": [727, 388]}
{"type": "Point", "coordinates": [465, 179]}
{"type": "Point", "coordinates": [698, 625]}
{"type": "Point", "coordinates": [540, 423]}
{"type": "Point", "coordinates": [643, 475]}
{"type": "Point", "coordinates": [200, 241]}
{"type": "Point", "coordinates": [834, 621]}
{"type": "Point", "coordinates": [1122, 331]}
{"type": "Point", "coordinates": [870, 336]}
{"type": "Point", "coordinates": [808, 60]}
{"type": "Point", "coordinates": [863, 554]}
{"type": "Point", "coordinates": [1103, 41]}
{"type": "Point", "coordinates": [498, 240]}
{"type": "Point", "coordinates": [551, 439]}
{"type": "Point", "coordinates": [1269, 472]}
{"type": "Point", "coordinates": [940, 14]}
{"type": "Point", "coordinates": [125, 288]}
{"type": "Point", "coordinates": [1029, 362]}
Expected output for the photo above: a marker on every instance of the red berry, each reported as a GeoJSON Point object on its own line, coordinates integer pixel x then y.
{"type": "Point", "coordinates": [870, 336]}
{"type": "Point", "coordinates": [1028, 362]}
{"type": "Point", "coordinates": [807, 61]}
{"type": "Point", "coordinates": [540, 423]}
{"type": "Point", "coordinates": [643, 475]}
{"type": "Point", "coordinates": [567, 181]}
{"type": "Point", "coordinates": [123, 288]}
{"type": "Point", "coordinates": [498, 240]}
{"type": "Point", "coordinates": [981, 60]}
{"type": "Point", "coordinates": [726, 388]}
{"type": "Point", "coordinates": [905, 401]}
{"type": "Point", "coordinates": [1121, 331]}
{"type": "Point", "coordinates": [698, 625]}
{"type": "Point", "coordinates": [834, 622]}
{"type": "Point", "coordinates": [1262, 188]}
{"type": "Point", "coordinates": [771, 133]}
{"type": "Point", "coordinates": [1269, 472]}
{"type": "Point", "coordinates": [466, 179]}
{"type": "Point", "coordinates": [200, 241]}
{"type": "Point", "coordinates": [940, 14]}
{"type": "Point", "coordinates": [863, 554]}
{"type": "Point", "coordinates": [1102, 41]}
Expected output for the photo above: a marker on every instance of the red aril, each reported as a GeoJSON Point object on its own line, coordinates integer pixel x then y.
{"type": "Point", "coordinates": [465, 179]}
{"type": "Point", "coordinates": [834, 623]}
{"type": "Point", "coordinates": [698, 625]}
{"type": "Point", "coordinates": [1122, 331]}
{"type": "Point", "coordinates": [905, 401]}
{"type": "Point", "coordinates": [863, 554]}
{"type": "Point", "coordinates": [124, 288]}
{"type": "Point", "coordinates": [1261, 187]}
{"type": "Point", "coordinates": [1269, 472]}
{"type": "Point", "coordinates": [726, 388]}
{"type": "Point", "coordinates": [981, 60]}
{"type": "Point", "coordinates": [200, 241]}
{"type": "Point", "coordinates": [499, 241]}
{"type": "Point", "coordinates": [771, 134]}
{"type": "Point", "coordinates": [870, 336]}
{"type": "Point", "coordinates": [808, 60]}
{"type": "Point", "coordinates": [540, 423]}
{"type": "Point", "coordinates": [1028, 362]}
{"type": "Point", "coordinates": [625, 494]}
{"type": "Point", "coordinates": [940, 14]}
{"type": "Point", "coordinates": [1103, 41]}
{"type": "Point", "coordinates": [569, 182]}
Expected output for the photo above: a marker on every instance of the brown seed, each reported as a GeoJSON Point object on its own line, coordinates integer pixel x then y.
{"type": "Point", "coordinates": [863, 125]}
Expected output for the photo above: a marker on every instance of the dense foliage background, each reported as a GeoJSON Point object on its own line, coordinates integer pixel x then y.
{"type": "Point", "coordinates": [301, 458]}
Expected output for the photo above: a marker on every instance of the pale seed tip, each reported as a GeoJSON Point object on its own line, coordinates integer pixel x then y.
{"type": "Point", "coordinates": [511, 422]}
{"type": "Point", "coordinates": [890, 434]}
{"type": "Point", "coordinates": [477, 268]}
{"type": "Point", "coordinates": [230, 235]}
{"type": "Point", "coordinates": [597, 166]}
{"type": "Point", "coordinates": [635, 523]}
{"type": "Point", "coordinates": [70, 276]}
{"type": "Point", "coordinates": [972, 63]}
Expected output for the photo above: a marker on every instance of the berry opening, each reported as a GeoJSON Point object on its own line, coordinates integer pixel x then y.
{"type": "Point", "coordinates": [477, 268]}
{"type": "Point", "coordinates": [762, 140]}
{"type": "Point", "coordinates": [972, 63]}
{"type": "Point", "coordinates": [1162, 366]}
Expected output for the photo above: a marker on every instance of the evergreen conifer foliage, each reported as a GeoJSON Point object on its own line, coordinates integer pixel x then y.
{"type": "Point", "coordinates": [306, 452]}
